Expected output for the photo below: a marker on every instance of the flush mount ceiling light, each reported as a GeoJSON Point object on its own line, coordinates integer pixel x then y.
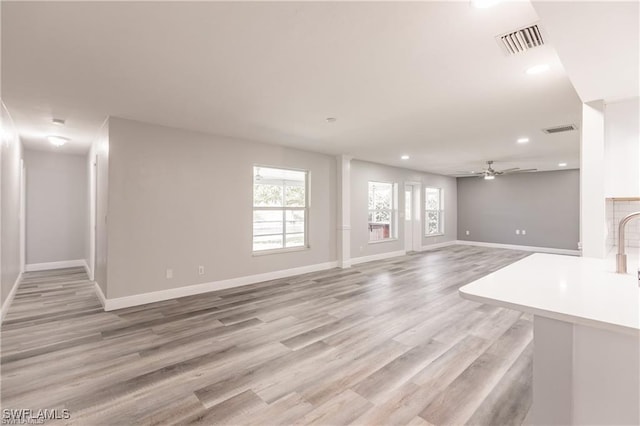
{"type": "Point", "coordinates": [57, 140]}
{"type": "Point", "coordinates": [562, 164]}
{"type": "Point", "coordinates": [405, 157]}
{"type": "Point", "coordinates": [538, 69]}
{"type": "Point", "coordinates": [331, 119]}
{"type": "Point", "coordinates": [484, 4]}
{"type": "Point", "coordinates": [57, 121]}
{"type": "Point", "coordinates": [523, 140]}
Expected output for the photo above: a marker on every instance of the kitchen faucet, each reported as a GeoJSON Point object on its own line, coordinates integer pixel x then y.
{"type": "Point", "coordinates": [621, 257]}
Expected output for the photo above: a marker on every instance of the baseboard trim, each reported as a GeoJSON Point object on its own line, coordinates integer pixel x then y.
{"type": "Point", "coordinates": [100, 294]}
{"type": "Point", "coordinates": [190, 290]}
{"type": "Point", "coordinates": [9, 299]}
{"type": "Point", "coordinates": [381, 256]}
{"type": "Point", "coordinates": [86, 267]}
{"type": "Point", "coordinates": [523, 248]}
{"type": "Point", "coordinates": [33, 267]}
{"type": "Point", "coordinates": [438, 245]}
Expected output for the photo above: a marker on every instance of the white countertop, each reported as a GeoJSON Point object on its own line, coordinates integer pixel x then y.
{"type": "Point", "coordinates": [574, 289]}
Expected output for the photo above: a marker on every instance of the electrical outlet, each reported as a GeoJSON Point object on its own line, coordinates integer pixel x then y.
{"type": "Point", "coordinates": [517, 232]}
{"type": "Point", "coordinates": [169, 274]}
{"type": "Point", "coordinates": [361, 248]}
{"type": "Point", "coordinates": [200, 270]}
{"type": "Point", "coordinates": [467, 232]}
{"type": "Point", "coordinates": [524, 232]}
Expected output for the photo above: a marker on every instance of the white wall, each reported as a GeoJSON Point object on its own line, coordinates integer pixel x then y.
{"type": "Point", "coordinates": [362, 172]}
{"type": "Point", "coordinates": [622, 148]}
{"type": "Point", "coordinates": [97, 166]}
{"type": "Point", "coordinates": [10, 163]}
{"type": "Point", "coordinates": [592, 181]}
{"type": "Point", "coordinates": [179, 199]}
{"type": "Point", "coordinates": [56, 210]}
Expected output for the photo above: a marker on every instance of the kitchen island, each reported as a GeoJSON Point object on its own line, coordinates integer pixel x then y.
{"type": "Point", "coordinates": [586, 335]}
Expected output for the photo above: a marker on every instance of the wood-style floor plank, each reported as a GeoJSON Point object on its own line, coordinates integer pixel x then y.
{"type": "Point", "coordinates": [386, 342]}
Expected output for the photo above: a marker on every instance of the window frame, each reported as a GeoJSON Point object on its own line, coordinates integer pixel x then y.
{"type": "Point", "coordinates": [439, 211]}
{"type": "Point", "coordinates": [284, 209]}
{"type": "Point", "coordinates": [393, 222]}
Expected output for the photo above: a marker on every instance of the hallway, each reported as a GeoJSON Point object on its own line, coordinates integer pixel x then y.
{"type": "Point", "coordinates": [388, 342]}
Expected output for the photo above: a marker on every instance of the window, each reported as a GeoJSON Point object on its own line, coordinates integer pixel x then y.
{"type": "Point", "coordinates": [434, 209]}
{"type": "Point", "coordinates": [280, 208]}
{"type": "Point", "coordinates": [382, 211]}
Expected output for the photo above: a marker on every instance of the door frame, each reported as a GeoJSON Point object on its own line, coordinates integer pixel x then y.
{"type": "Point", "coordinates": [416, 216]}
{"type": "Point", "coordinates": [93, 231]}
{"type": "Point", "coordinates": [22, 216]}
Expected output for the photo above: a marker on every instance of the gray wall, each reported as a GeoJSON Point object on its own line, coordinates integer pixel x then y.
{"type": "Point", "coordinates": [11, 155]}
{"type": "Point", "coordinates": [362, 172]}
{"type": "Point", "coordinates": [179, 199]}
{"type": "Point", "coordinates": [545, 204]}
{"type": "Point", "coordinates": [56, 210]}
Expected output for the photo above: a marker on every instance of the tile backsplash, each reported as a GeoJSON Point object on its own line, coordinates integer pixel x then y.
{"type": "Point", "coordinates": [615, 211]}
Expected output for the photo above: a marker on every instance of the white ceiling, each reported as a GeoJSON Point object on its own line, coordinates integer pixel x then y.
{"type": "Point", "coordinates": [599, 43]}
{"type": "Point", "coordinates": [426, 79]}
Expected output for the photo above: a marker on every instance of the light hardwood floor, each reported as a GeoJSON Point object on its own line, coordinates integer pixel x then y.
{"type": "Point", "coordinates": [388, 342]}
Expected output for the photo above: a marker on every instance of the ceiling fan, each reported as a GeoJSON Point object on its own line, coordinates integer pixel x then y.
{"type": "Point", "coordinates": [490, 173]}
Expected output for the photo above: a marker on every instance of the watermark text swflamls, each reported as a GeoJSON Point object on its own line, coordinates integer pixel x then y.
{"type": "Point", "coordinates": [25, 416]}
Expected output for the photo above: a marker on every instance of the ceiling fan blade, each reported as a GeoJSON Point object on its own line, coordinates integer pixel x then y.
{"type": "Point", "coordinates": [467, 174]}
{"type": "Point", "coordinates": [510, 170]}
{"type": "Point", "coordinates": [524, 170]}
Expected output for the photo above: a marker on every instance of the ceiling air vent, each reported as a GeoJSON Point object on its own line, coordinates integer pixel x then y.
{"type": "Point", "coordinates": [521, 40]}
{"type": "Point", "coordinates": [560, 129]}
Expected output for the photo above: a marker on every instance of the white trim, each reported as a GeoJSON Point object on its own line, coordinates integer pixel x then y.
{"type": "Point", "coordinates": [190, 290]}
{"type": "Point", "coordinates": [9, 299]}
{"type": "Point", "coordinates": [344, 264]}
{"type": "Point", "coordinates": [86, 268]}
{"type": "Point", "coordinates": [384, 240]}
{"type": "Point", "coordinates": [267, 252]}
{"type": "Point", "coordinates": [343, 188]}
{"type": "Point", "coordinates": [23, 215]}
{"type": "Point", "coordinates": [523, 248]}
{"type": "Point", "coordinates": [31, 267]}
{"type": "Point", "coordinates": [381, 256]}
{"type": "Point", "coordinates": [100, 294]}
{"type": "Point", "coordinates": [438, 245]}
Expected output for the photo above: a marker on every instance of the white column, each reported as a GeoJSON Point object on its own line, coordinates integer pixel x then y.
{"type": "Point", "coordinates": [344, 211]}
{"type": "Point", "coordinates": [592, 181]}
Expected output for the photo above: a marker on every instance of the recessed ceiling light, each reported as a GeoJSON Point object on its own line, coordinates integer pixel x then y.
{"type": "Point", "coordinates": [57, 140]}
{"type": "Point", "coordinates": [57, 121]}
{"type": "Point", "coordinates": [523, 140]}
{"type": "Point", "coordinates": [489, 177]}
{"type": "Point", "coordinates": [405, 157]}
{"type": "Point", "coordinates": [331, 119]}
{"type": "Point", "coordinates": [562, 164]}
{"type": "Point", "coordinates": [483, 4]}
{"type": "Point", "coordinates": [538, 69]}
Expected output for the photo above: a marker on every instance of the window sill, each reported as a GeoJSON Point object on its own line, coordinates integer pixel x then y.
{"type": "Point", "coordinates": [434, 235]}
{"type": "Point", "coordinates": [278, 251]}
{"type": "Point", "coordinates": [386, 240]}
